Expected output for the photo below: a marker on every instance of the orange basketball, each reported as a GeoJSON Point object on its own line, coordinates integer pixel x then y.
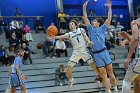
{"type": "Point", "coordinates": [52, 31]}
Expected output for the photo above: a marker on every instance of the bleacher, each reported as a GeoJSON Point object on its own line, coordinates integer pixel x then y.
{"type": "Point", "coordinates": [42, 72]}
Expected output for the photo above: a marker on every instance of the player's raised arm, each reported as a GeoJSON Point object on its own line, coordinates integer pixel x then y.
{"type": "Point", "coordinates": [108, 21]}
{"type": "Point", "coordinates": [85, 18]}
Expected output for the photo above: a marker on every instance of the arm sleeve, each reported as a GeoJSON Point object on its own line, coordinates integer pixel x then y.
{"type": "Point", "coordinates": [18, 61]}
{"type": "Point", "coordinates": [89, 28]}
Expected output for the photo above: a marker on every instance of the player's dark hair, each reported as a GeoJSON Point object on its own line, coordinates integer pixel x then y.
{"type": "Point", "coordinates": [74, 21]}
{"type": "Point", "coordinates": [100, 20]}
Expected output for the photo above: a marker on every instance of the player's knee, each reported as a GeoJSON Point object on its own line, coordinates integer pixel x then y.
{"type": "Point", "coordinates": [103, 75]}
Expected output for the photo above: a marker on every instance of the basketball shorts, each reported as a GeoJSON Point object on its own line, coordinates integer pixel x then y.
{"type": "Point", "coordinates": [15, 80]}
{"type": "Point", "coordinates": [80, 54]}
{"type": "Point", "coordinates": [102, 59]}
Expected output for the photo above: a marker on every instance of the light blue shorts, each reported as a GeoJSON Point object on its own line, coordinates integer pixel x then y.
{"type": "Point", "coordinates": [15, 81]}
{"type": "Point", "coordinates": [102, 59]}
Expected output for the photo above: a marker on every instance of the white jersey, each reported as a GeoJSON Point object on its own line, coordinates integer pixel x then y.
{"type": "Point", "coordinates": [76, 38]}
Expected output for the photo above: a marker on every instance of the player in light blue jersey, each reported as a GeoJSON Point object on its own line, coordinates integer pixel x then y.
{"type": "Point", "coordinates": [16, 76]}
{"type": "Point", "coordinates": [96, 32]}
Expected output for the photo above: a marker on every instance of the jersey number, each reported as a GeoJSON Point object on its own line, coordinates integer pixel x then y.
{"type": "Point", "coordinates": [78, 39]}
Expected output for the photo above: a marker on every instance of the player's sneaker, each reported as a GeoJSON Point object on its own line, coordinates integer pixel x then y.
{"type": "Point", "coordinates": [71, 82]}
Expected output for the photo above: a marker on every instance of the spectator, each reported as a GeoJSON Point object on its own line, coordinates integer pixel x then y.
{"type": "Point", "coordinates": [109, 40]}
{"type": "Point", "coordinates": [62, 19]}
{"type": "Point", "coordinates": [26, 53]}
{"type": "Point", "coordinates": [91, 15]}
{"type": "Point", "coordinates": [60, 75]}
{"type": "Point", "coordinates": [24, 40]}
{"type": "Point", "coordinates": [2, 56]}
{"type": "Point", "coordinates": [39, 25]}
{"type": "Point", "coordinates": [14, 24]}
{"type": "Point", "coordinates": [62, 31]}
{"type": "Point", "coordinates": [4, 27]}
{"type": "Point", "coordinates": [19, 32]}
{"type": "Point", "coordinates": [18, 13]}
{"type": "Point", "coordinates": [27, 43]}
{"type": "Point", "coordinates": [60, 47]}
{"type": "Point", "coordinates": [10, 54]}
{"type": "Point", "coordinates": [81, 25]}
{"type": "Point", "coordinates": [28, 34]}
{"type": "Point", "coordinates": [14, 41]}
{"type": "Point", "coordinates": [119, 26]}
{"type": "Point", "coordinates": [48, 47]}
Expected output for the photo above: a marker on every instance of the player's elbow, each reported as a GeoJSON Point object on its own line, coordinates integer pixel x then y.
{"type": "Point", "coordinates": [134, 22]}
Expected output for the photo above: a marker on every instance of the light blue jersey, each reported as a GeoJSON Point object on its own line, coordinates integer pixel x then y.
{"type": "Point", "coordinates": [97, 36]}
{"type": "Point", "coordinates": [18, 61]}
{"type": "Point", "coordinates": [14, 77]}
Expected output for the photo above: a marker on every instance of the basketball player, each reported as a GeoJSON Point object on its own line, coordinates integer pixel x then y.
{"type": "Point", "coordinates": [16, 77]}
{"type": "Point", "coordinates": [101, 56]}
{"type": "Point", "coordinates": [78, 39]}
{"type": "Point", "coordinates": [127, 37]}
{"type": "Point", "coordinates": [133, 70]}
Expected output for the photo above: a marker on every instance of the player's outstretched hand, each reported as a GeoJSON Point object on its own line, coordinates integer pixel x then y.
{"type": "Point", "coordinates": [85, 4]}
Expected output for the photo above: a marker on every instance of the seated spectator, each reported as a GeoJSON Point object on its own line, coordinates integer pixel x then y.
{"type": "Point", "coordinates": [3, 59]}
{"type": "Point", "coordinates": [14, 24]}
{"type": "Point", "coordinates": [28, 34]}
{"type": "Point", "coordinates": [4, 27]}
{"type": "Point", "coordinates": [62, 31]}
{"type": "Point", "coordinates": [14, 41]}
{"type": "Point", "coordinates": [39, 25]}
{"type": "Point", "coordinates": [62, 19]}
{"type": "Point", "coordinates": [109, 40]}
{"type": "Point", "coordinates": [19, 32]}
{"type": "Point", "coordinates": [26, 53]}
{"type": "Point", "coordinates": [10, 54]}
{"type": "Point", "coordinates": [60, 75]}
{"type": "Point", "coordinates": [119, 27]}
{"type": "Point", "coordinates": [24, 40]}
{"type": "Point", "coordinates": [48, 47]}
{"type": "Point", "coordinates": [27, 43]}
{"type": "Point", "coordinates": [60, 47]}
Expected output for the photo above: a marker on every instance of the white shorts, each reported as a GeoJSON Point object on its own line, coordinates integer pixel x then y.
{"type": "Point", "coordinates": [135, 66]}
{"type": "Point", "coordinates": [80, 54]}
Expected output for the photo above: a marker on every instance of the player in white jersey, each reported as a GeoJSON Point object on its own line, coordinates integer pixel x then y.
{"type": "Point", "coordinates": [79, 40]}
{"type": "Point", "coordinates": [133, 70]}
